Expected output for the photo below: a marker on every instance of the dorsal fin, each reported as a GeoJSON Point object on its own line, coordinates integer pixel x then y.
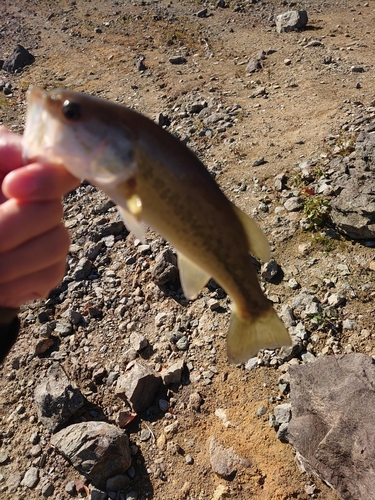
{"type": "Point", "coordinates": [258, 244]}
{"type": "Point", "coordinates": [193, 279]}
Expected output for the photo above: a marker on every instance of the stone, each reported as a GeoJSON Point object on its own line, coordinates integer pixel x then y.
{"type": "Point", "coordinates": [293, 204]}
{"type": "Point", "coordinates": [47, 490]}
{"type": "Point", "coordinates": [117, 483]}
{"type": "Point", "coordinates": [13, 481]}
{"type": "Point", "coordinates": [333, 401]}
{"type": "Point", "coordinates": [96, 494]}
{"type": "Point", "coordinates": [224, 461]}
{"type": "Point", "coordinates": [253, 65]}
{"type": "Point", "coordinates": [138, 385]}
{"type": "Point", "coordinates": [353, 209]}
{"type": "Point", "coordinates": [56, 398]}
{"type": "Point", "coordinates": [165, 268]}
{"type": "Point", "coordinates": [282, 413]}
{"type": "Point", "coordinates": [19, 58]}
{"type": "Point", "coordinates": [173, 374]}
{"type": "Point", "coordinates": [270, 270]}
{"type": "Point", "coordinates": [291, 21]}
{"type": "Point", "coordinates": [97, 450]}
{"type": "Point", "coordinates": [31, 478]}
{"type": "Point", "coordinates": [138, 341]}
{"type": "Point", "coordinates": [177, 60]}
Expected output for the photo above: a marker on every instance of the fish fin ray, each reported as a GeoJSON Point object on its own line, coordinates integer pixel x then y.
{"type": "Point", "coordinates": [248, 336]}
{"type": "Point", "coordinates": [132, 223]}
{"type": "Point", "coordinates": [193, 279]}
{"type": "Point", "coordinates": [258, 243]}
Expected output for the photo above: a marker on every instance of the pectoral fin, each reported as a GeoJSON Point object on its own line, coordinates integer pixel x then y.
{"type": "Point", "coordinates": [258, 244]}
{"type": "Point", "coordinates": [132, 223]}
{"type": "Point", "coordinates": [193, 279]}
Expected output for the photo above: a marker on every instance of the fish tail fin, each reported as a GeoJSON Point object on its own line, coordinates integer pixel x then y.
{"type": "Point", "coordinates": [249, 335]}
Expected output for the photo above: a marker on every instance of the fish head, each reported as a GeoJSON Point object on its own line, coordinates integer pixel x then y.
{"type": "Point", "coordinates": [89, 136]}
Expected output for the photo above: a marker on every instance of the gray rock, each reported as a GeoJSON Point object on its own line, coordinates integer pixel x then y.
{"type": "Point", "coordinates": [56, 398]}
{"type": "Point", "coordinates": [177, 60]}
{"type": "Point", "coordinates": [172, 375]}
{"type": "Point", "coordinates": [64, 327]}
{"type": "Point", "coordinates": [13, 481]}
{"type": "Point", "coordinates": [293, 204]}
{"type": "Point", "coordinates": [97, 494]}
{"type": "Point", "coordinates": [290, 21]}
{"type": "Point", "coordinates": [165, 268]}
{"type": "Point", "coordinates": [253, 65]}
{"type": "Point", "coordinates": [138, 385]}
{"type": "Point", "coordinates": [353, 210]}
{"type": "Point", "coordinates": [333, 402]}
{"type": "Point", "coordinates": [31, 478]}
{"type": "Point", "coordinates": [282, 413]}
{"type": "Point", "coordinates": [47, 490]}
{"type": "Point", "coordinates": [138, 341]}
{"type": "Point", "coordinates": [224, 461]}
{"type": "Point", "coordinates": [19, 58]}
{"type": "Point", "coordinates": [82, 269]}
{"type": "Point", "coordinates": [270, 270]}
{"type": "Point", "coordinates": [117, 483]}
{"type": "Point", "coordinates": [96, 449]}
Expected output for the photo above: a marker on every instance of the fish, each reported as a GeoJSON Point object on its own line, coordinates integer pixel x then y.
{"type": "Point", "coordinates": [157, 181]}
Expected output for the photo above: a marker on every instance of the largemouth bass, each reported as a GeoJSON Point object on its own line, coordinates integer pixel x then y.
{"type": "Point", "coordinates": [156, 180]}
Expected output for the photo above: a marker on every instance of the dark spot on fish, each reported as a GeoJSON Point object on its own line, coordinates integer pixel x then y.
{"type": "Point", "coordinates": [71, 110]}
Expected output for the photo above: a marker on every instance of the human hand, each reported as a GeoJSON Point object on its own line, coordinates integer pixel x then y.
{"type": "Point", "coordinates": [33, 242]}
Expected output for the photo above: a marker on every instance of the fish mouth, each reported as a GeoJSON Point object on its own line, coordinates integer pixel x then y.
{"type": "Point", "coordinates": [40, 129]}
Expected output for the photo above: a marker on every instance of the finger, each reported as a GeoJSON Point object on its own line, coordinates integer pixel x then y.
{"type": "Point", "coordinates": [11, 151]}
{"type": "Point", "coordinates": [33, 286]}
{"type": "Point", "coordinates": [20, 222]}
{"type": "Point", "coordinates": [39, 182]}
{"type": "Point", "coordinates": [35, 255]}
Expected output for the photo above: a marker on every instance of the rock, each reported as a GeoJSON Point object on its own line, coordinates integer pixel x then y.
{"type": "Point", "coordinates": [253, 65]}
{"type": "Point", "coordinates": [177, 60]}
{"type": "Point", "coordinates": [290, 21]}
{"type": "Point", "coordinates": [353, 210]}
{"type": "Point", "coordinates": [332, 427]}
{"type": "Point", "coordinates": [19, 58]}
{"type": "Point", "coordinates": [96, 449]}
{"type": "Point", "coordinates": [117, 483]}
{"type": "Point", "coordinates": [224, 461]}
{"type": "Point", "coordinates": [13, 481]}
{"type": "Point", "coordinates": [56, 398]}
{"type": "Point", "coordinates": [47, 490]}
{"type": "Point", "coordinates": [97, 494]}
{"type": "Point", "coordinates": [138, 385]}
{"type": "Point", "coordinates": [172, 375]}
{"type": "Point", "coordinates": [293, 204]}
{"type": "Point", "coordinates": [165, 268]}
{"type": "Point", "coordinates": [138, 341]}
{"type": "Point", "coordinates": [270, 270]}
{"type": "Point", "coordinates": [282, 413]}
{"type": "Point", "coordinates": [195, 401]}
{"type": "Point", "coordinates": [31, 478]}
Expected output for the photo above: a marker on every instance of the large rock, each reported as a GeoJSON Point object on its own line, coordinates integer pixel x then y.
{"type": "Point", "coordinates": [96, 449]}
{"type": "Point", "coordinates": [332, 425]}
{"type": "Point", "coordinates": [56, 398]}
{"type": "Point", "coordinates": [292, 20]}
{"type": "Point", "coordinates": [353, 210]}
{"type": "Point", "coordinates": [138, 385]}
{"type": "Point", "coordinates": [19, 58]}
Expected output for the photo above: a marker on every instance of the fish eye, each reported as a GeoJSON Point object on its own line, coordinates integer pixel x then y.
{"type": "Point", "coordinates": [71, 110]}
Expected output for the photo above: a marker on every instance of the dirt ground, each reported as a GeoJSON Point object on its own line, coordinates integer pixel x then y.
{"type": "Point", "coordinates": [94, 46]}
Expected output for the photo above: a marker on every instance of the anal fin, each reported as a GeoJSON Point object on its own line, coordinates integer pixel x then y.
{"type": "Point", "coordinates": [193, 279]}
{"type": "Point", "coordinates": [258, 244]}
{"type": "Point", "coordinates": [132, 223]}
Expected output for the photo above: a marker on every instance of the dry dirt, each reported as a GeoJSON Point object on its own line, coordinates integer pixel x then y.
{"type": "Point", "coordinates": [307, 101]}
